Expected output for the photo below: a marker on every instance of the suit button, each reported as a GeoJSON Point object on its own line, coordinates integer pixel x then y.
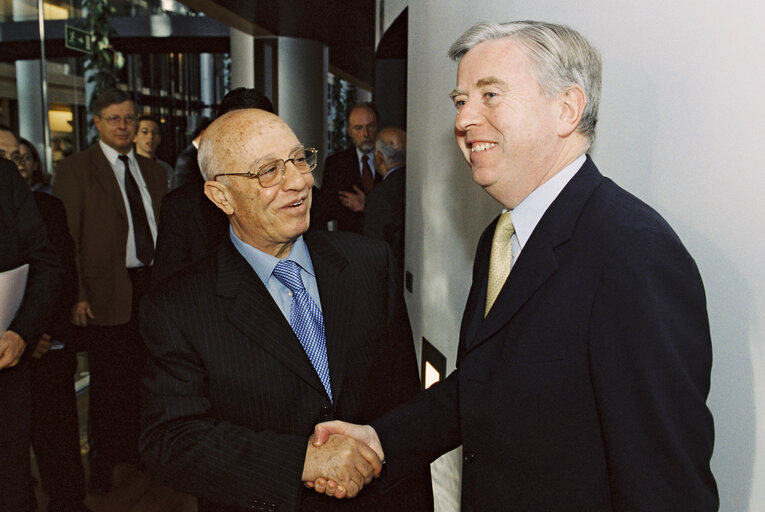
{"type": "Point", "coordinates": [327, 411]}
{"type": "Point", "coordinates": [468, 458]}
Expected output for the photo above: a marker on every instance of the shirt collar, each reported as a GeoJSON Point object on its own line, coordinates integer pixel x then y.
{"type": "Point", "coordinates": [112, 155]}
{"type": "Point", "coordinates": [528, 213]}
{"type": "Point", "coordinates": [263, 264]}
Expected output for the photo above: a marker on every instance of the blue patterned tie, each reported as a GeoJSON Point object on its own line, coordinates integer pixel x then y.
{"type": "Point", "coordinates": [306, 320]}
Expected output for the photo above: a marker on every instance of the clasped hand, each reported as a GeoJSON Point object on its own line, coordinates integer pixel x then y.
{"type": "Point", "coordinates": [355, 455]}
{"type": "Point", "coordinates": [348, 463]}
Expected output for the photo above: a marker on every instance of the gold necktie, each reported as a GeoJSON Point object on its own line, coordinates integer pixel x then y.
{"type": "Point", "coordinates": [501, 259]}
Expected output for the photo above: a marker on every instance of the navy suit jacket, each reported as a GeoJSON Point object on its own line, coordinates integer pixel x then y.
{"type": "Point", "coordinates": [230, 397]}
{"type": "Point", "coordinates": [585, 386]}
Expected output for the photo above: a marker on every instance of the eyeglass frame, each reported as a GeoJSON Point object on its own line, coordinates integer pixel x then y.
{"type": "Point", "coordinates": [116, 120]}
{"type": "Point", "coordinates": [256, 174]}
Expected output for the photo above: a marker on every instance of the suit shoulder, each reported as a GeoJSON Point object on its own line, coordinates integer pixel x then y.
{"type": "Point", "coordinates": [186, 282]}
{"type": "Point", "coordinates": [77, 162]}
{"type": "Point", "coordinates": [350, 245]}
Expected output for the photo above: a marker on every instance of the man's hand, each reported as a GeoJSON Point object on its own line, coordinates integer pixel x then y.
{"type": "Point", "coordinates": [343, 460]}
{"type": "Point", "coordinates": [11, 347]}
{"type": "Point", "coordinates": [81, 312]}
{"type": "Point", "coordinates": [363, 433]}
{"type": "Point", "coordinates": [42, 347]}
{"type": "Point", "coordinates": [354, 201]}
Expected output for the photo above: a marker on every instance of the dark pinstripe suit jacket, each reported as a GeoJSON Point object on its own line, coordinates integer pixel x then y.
{"type": "Point", "coordinates": [230, 398]}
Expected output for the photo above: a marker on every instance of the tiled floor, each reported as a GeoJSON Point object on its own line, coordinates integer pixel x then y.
{"type": "Point", "coordinates": [132, 490]}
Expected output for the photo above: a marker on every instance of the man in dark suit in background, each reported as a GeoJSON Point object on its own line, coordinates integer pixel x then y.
{"type": "Point", "coordinates": [54, 424]}
{"type": "Point", "coordinates": [186, 166]}
{"type": "Point", "coordinates": [23, 240]}
{"type": "Point", "coordinates": [192, 226]}
{"type": "Point", "coordinates": [582, 374]}
{"type": "Point", "coordinates": [112, 198]}
{"type": "Point", "coordinates": [276, 330]}
{"type": "Point", "coordinates": [350, 174]}
{"type": "Point", "coordinates": [385, 205]}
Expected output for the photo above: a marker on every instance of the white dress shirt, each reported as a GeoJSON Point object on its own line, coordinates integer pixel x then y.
{"type": "Point", "coordinates": [528, 213]}
{"type": "Point", "coordinates": [113, 156]}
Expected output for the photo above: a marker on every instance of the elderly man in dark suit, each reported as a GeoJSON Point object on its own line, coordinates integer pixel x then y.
{"type": "Point", "coordinates": [112, 198]}
{"type": "Point", "coordinates": [277, 329]}
{"type": "Point", "coordinates": [350, 174]}
{"type": "Point", "coordinates": [23, 241]}
{"type": "Point", "coordinates": [385, 206]}
{"type": "Point", "coordinates": [583, 372]}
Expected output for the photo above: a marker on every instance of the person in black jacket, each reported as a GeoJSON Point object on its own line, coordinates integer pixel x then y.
{"type": "Point", "coordinates": [23, 240]}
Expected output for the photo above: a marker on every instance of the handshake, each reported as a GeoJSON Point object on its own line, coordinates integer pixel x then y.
{"type": "Point", "coordinates": [341, 458]}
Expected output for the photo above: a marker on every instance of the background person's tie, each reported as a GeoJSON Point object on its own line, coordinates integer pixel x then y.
{"type": "Point", "coordinates": [501, 259]}
{"type": "Point", "coordinates": [306, 320]}
{"type": "Point", "coordinates": [367, 180]}
{"type": "Point", "coordinates": [144, 242]}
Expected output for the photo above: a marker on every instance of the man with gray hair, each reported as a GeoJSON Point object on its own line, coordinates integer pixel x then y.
{"type": "Point", "coordinates": [584, 357]}
{"type": "Point", "coordinates": [385, 206]}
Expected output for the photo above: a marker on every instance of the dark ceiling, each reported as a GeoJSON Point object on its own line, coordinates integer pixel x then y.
{"type": "Point", "coordinates": [346, 26]}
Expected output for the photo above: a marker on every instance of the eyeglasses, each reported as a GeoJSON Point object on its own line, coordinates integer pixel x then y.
{"type": "Point", "coordinates": [26, 158]}
{"type": "Point", "coordinates": [115, 120]}
{"type": "Point", "coordinates": [272, 173]}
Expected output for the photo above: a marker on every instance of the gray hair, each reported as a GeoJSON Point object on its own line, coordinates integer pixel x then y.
{"type": "Point", "coordinates": [560, 56]}
{"type": "Point", "coordinates": [390, 154]}
{"type": "Point", "coordinates": [206, 159]}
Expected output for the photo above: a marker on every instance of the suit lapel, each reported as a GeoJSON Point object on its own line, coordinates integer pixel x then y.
{"type": "Point", "coordinates": [255, 313]}
{"type": "Point", "coordinates": [156, 184]}
{"type": "Point", "coordinates": [104, 175]}
{"type": "Point", "coordinates": [335, 304]}
{"type": "Point", "coordinates": [537, 262]}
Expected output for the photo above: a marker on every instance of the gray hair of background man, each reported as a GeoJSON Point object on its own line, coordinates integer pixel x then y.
{"type": "Point", "coordinates": [390, 154]}
{"type": "Point", "coordinates": [560, 58]}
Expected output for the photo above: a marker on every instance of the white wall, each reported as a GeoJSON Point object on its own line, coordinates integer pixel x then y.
{"type": "Point", "coordinates": [680, 126]}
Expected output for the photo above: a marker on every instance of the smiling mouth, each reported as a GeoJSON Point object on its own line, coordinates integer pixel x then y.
{"type": "Point", "coordinates": [477, 148]}
{"type": "Point", "coordinates": [297, 203]}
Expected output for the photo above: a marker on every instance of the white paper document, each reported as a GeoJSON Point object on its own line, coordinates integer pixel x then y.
{"type": "Point", "coordinates": [12, 285]}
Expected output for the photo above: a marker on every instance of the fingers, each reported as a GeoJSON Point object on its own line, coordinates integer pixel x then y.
{"type": "Point", "coordinates": [370, 456]}
{"type": "Point", "coordinates": [11, 347]}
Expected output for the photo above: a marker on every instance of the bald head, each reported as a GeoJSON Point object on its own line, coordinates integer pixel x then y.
{"type": "Point", "coordinates": [390, 149]}
{"type": "Point", "coordinates": [238, 138]}
{"type": "Point", "coordinates": [242, 144]}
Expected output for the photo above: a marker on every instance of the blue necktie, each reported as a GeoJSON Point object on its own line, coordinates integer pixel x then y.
{"type": "Point", "coordinates": [306, 320]}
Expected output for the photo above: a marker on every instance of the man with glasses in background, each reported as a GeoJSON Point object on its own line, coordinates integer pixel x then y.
{"type": "Point", "coordinates": [277, 328]}
{"type": "Point", "coordinates": [112, 198]}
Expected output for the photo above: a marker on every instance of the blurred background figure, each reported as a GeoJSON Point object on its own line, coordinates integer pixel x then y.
{"type": "Point", "coordinates": [54, 425]}
{"type": "Point", "coordinates": [385, 205]}
{"type": "Point", "coordinates": [23, 241]}
{"type": "Point", "coordinates": [350, 174]}
{"type": "Point", "coordinates": [186, 166]}
{"type": "Point", "coordinates": [147, 139]}
{"type": "Point", "coordinates": [32, 167]}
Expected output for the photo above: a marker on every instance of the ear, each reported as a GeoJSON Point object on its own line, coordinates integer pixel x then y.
{"type": "Point", "coordinates": [220, 195]}
{"type": "Point", "coordinates": [572, 104]}
{"type": "Point", "coordinates": [97, 122]}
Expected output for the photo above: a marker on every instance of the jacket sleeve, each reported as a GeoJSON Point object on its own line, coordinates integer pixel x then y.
{"type": "Point", "coordinates": [651, 356]}
{"type": "Point", "coordinates": [45, 270]}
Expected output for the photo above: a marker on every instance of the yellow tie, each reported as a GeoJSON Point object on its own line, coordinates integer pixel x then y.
{"type": "Point", "coordinates": [501, 259]}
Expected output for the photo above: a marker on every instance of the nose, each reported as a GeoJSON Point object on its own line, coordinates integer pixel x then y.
{"type": "Point", "coordinates": [467, 116]}
{"type": "Point", "coordinates": [294, 179]}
